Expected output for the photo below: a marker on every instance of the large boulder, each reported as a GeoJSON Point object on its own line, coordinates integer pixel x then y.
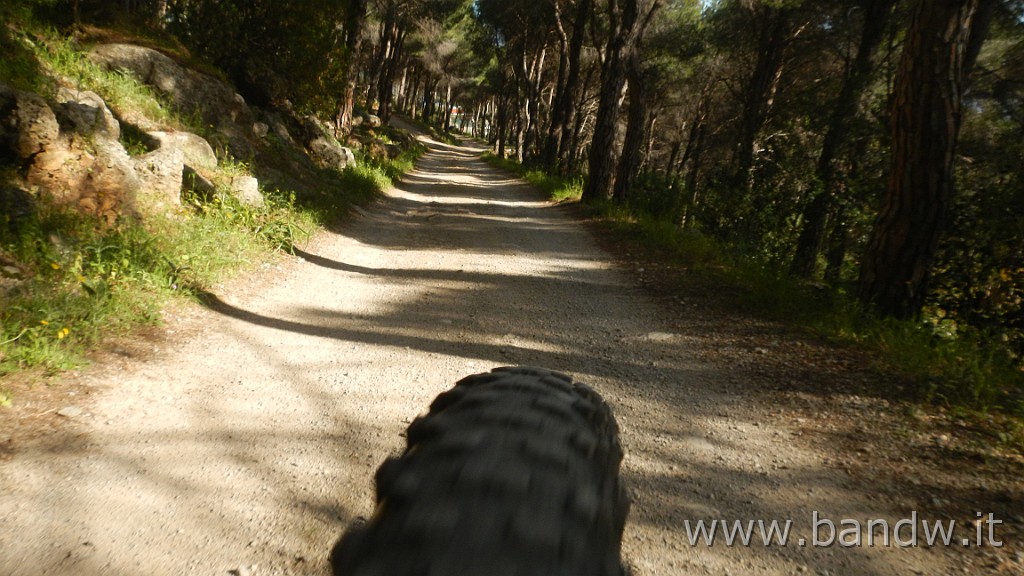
{"type": "Point", "coordinates": [160, 174]}
{"type": "Point", "coordinates": [327, 154]}
{"type": "Point", "coordinates": [90, 171]}
{"type": "Point", "coordinates": [98, 177]}
{"type": "Point", "coordinates": [197, 151]}
{"type": "Point", "coordinates": [29, 124]}
{"type": "Point", "coordinates": [192, 92]}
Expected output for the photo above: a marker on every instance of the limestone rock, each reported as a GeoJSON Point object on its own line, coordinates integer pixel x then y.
{"type": "Point", "coordinates": [70, 151]}
{"type": "Point", "coordinates": [197, 151]}
{"type": "Point", "coordinates": [160, 174]}
{"type": "Point", "coordinates": [88, 113]}
{"type": "Point", "coordinates": [247, 190]}
{"type": "Point", "coordinates": [193, 92]}
{"type": "Point", "coordinates": [28, 125]}
{"type": "Point", "coordinates": [330, 155]}
{"type": "Point", "coordinates": [97, 177]}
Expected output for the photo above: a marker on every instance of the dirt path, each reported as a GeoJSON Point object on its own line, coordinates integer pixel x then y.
{"type": "Point", "coordinates": [247, 440]}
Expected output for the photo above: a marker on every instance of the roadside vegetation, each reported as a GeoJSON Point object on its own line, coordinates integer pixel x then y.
{"type": "Point", "coordinates": [77, 282]}
{"type": "Point", "coordinates": [968, 373]}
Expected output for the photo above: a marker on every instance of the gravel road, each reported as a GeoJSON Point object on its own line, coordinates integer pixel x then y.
{"type": "Point", "coordinates": [245, 437]}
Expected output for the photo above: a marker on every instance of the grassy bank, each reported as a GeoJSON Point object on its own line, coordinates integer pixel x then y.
{"type": "Point", "coordinates": [68, 283]}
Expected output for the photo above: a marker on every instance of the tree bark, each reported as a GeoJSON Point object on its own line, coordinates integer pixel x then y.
{"type": "Point", "coordinates": [392, 46]}
{"type": "Point", "coordinates": [354, 19]}
{"type": "Point", "coordinates": [636, 131]}
{"type": "Point", "coordinates": [628, 24]}
{"type": "Point", "coordinates": [562, 109]}
{"type": "Point", "coordinates": [819, 211]}
{"type": "Point", "coordinates": [774, 29]}
{"type": "Point", "coordinates": [927, 107]}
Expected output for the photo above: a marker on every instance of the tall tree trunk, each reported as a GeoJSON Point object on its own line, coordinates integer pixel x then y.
{"type": "Point", "coordinates": [354, 18]}
{"type": "Point", "coordinates": [563, 110]}
{"type": "Point", "coordinates": [603, 150]}
{"type": "Point", "coordinates": [927, 107]}
{"type": "Point", "coordinates": [503, 127]}
{"type": "Point", "coordinates": [838, 243]}
{"type": "Point", "coordinates": [549, 154]}
{"type": "Point", "coordinates": [818, 212]}
{"type": "Point", "coordinates": [391, 52]}
{"type": "Point", "coordinates": [774, 29]}
{"type": "Point", "coordinates": [533, 139]}
{"type": "Point", "coordinates": [695, 154]}
{"type": "Point", "coordinates": [628, 24]}
{"type": "Point", "coordinates": [636, 131]}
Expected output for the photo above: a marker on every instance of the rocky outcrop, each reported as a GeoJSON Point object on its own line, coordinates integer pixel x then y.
{"type": "Point", "coordinates": [70, 151]}
{"type": "Point", "coordinates": [197, 151]}
{"type": "Point", "coordinates": [72, 156]}
{"type": "Point", "coordinates": [192, 92]}
{"type": "Point", "coordinates": [69, 148]}
{"type": "Point", "coordinates": [324, 149]}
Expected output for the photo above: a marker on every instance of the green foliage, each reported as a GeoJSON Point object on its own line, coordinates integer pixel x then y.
{"type": "Point", "coordinates": [83, 283]}
{"type": "Point", "coordinates": [967, 369]}
{"type": "Point", "coordinates": [74, 282]}
{"type": "Point", "coordinates": [307, 59]}
{"type": "Point", "coordinates": [554, 187]}
{"type": "Point", "coordinates": [979, 275]}
{"type": "Point", "coordinates": [59, 56]}
{"type": "Point", "coordinates": [86, 282]}
{"type": "Point", "coordinates": [19, 67]}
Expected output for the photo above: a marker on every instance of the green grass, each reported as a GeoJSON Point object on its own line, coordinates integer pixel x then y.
{"type": "Point", "coordinates": [121, 91]}
{"type": "Point", "coordinates": [556, 188]}
{"type": "Point", "coordinates": [86, 282]}
{"type": "Point", "coordinates": [19, 67]}
{"type": "Point", "coordinates": [80, 282]}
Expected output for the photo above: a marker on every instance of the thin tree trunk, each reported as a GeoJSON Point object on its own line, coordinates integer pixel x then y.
{"type": "Point", "coordinates": [628, 24]}
{"type": "Point", "coordinates": [817, 214]}
{"type": "Point", "coordinates": [636, 131]}
{"type": "Point", "coordinates": [563, 111]}
{"type": "Point", "coordinates": [838, 244]}
{"type": "Point", "coordinates": [354, 19]}
{"type": "Point", "coordinates": [392, 50]}
{"type": "Point", "coordinates": [773, 35]}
